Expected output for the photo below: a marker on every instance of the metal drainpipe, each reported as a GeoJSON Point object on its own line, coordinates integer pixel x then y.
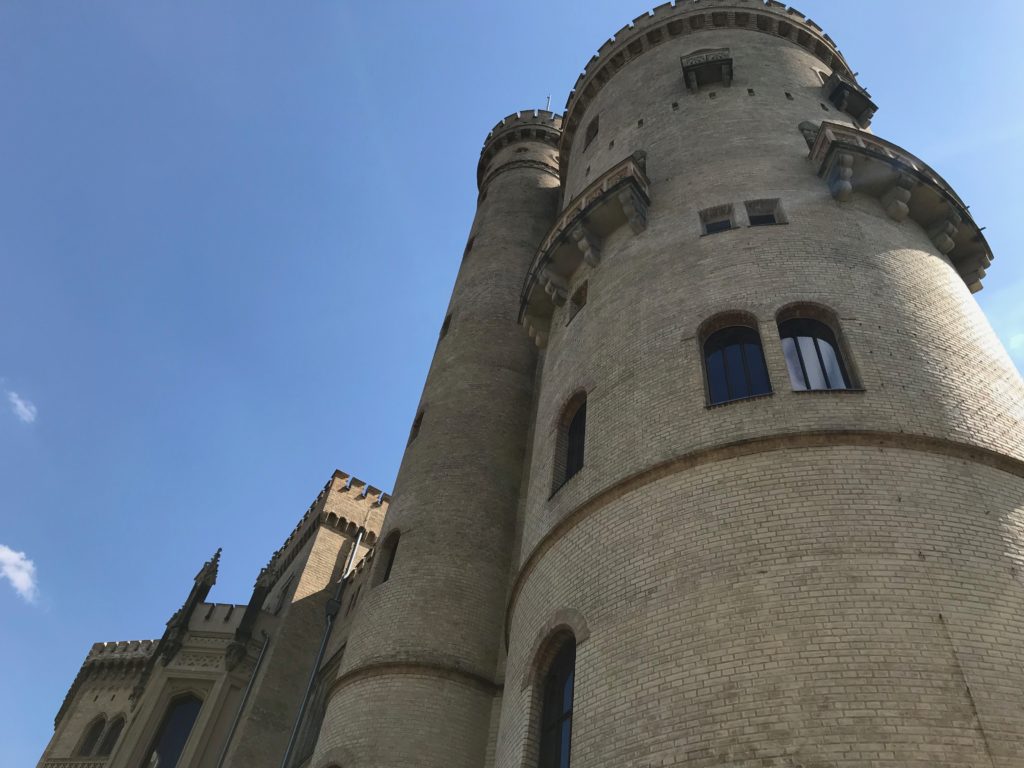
{"type": "Point", "coordinates": [333, 606]}
{"type": "Point", "coordinates": [245, 698]}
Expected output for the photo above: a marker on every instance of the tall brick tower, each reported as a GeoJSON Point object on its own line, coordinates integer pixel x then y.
{"type": "Point", "coordinates": [718, 464]}
{"type": "Point", "coordinates": [764, 479]}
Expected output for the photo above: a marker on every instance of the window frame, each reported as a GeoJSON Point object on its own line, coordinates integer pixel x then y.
{"type": "Point", "coordinates": [559, 675]}
{"type": "Point", "coordinates": [716, 337]}
{"type": "Point", "coordinates": [827, 333]}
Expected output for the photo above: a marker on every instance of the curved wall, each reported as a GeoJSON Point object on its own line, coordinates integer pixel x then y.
{"type": "Point", "coordinates": [808, 578]}
{"type": "Point", "coordinates": [438, 616]}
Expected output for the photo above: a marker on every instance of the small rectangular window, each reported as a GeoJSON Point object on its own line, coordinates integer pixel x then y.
{"type": "Point", "coordinates": [578, 301]}
{"type": "Point", "coordinates": [717, 219]}
{"type": "Point", "coordinates": [591, 133]}
{"type": "Point", "coordinates": [762, 213]}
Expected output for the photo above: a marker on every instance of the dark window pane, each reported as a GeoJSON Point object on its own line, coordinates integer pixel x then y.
{"type": "Point", "coordinates": [174, 732]}
{"type": "Point", "coordinates": [796, 373]}
{"type": "Point", "coordinates": [762, 219]}
{"type": "Point", "coordinates": [716, 377]}
{"type": "Point", "coordinates": [113, 732]}
{"type": "Point", "coordinates": [757, 369]}
{"type": "Point", "coordinates": [713, 227]}
{"type": "Point", "coordinates": [556, 714]}
{"type": "Point", "coordinates": [734, 371]}
{"type": "Point", "coordinates": [576, 439]}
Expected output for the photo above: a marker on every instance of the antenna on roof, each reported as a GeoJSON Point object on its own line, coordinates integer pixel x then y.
{"type": "Point", "coordinates": [547, 106]}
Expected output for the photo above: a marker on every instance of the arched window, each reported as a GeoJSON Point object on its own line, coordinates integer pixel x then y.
{"type": "Point", "coordinates": [92, 736]}
{"type": "Point", "coordinates": [170, 740]}
{"type": "Point", "coordinates": [556, 707]}
{"type": "Point", "coordinates": [572, 437]}
{"type": "Point", "coordinates": [734, 364]}
{"type": "Point", "coordinates": [388, 551]}
{"type": "Point", "coordinates": [812, 355]}
{"type": "Point", "coordinates": [110, 737]}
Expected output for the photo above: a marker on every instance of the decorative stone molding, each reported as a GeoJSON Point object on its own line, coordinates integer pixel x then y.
{"type": "Point", "coordinates": [849, 97]}
{"type": "Point", "coordinates": [851, 160]}
{"type": "Point", "coordinates": [618, 197]}
{"type": "Point", "coordinates": [74, 762]}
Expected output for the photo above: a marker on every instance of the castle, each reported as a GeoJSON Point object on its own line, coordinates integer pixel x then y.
{"type": "Point", "coordinates": [718, 463]}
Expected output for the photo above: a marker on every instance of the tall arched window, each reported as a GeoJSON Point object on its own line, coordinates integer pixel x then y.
{"type": "Point", "coordinates": [734, 364]}
{"type": "Point", "coordinates": [812, 355]}
{"type": "Point", "coordinates": [92, 736]}
{"type": "Point", "coordinates": [174, 731]}
{"type": "Point", "coordinates": [110, 737]}
{"type": "Point", "coordinates": [571, 439]}
{"type": "Point", "coordinates": [556, 707]}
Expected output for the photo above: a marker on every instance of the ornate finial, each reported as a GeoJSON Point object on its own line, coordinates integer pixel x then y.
{"type": "Point", "coordinates": [208, 573]}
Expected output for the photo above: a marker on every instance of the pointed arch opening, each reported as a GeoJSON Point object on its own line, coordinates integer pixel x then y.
{"type": "Point", "coordinates": [175, 728]}
{"type": "Point", "coordinates": [110, 737]}
{"type": "Point", "coordinates": [87, 746]}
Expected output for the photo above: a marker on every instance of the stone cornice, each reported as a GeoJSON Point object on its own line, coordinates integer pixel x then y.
{"type": "Point", "coordinates": [797, 440]}
{"type": "Point", "coordinates": [441, 670]}
{"type": "Point", "coordinates": [669, 22]}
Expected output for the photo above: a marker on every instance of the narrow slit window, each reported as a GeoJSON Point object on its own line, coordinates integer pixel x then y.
{"type": "Point", "coordinates": [388, 552]}
{"type": "Point", "coordinates": [445, 326]}
{"type": "Point", "coordinates": [556, 708]}
{"type": "Point", "coordinates": [578, 301]}
{"type": "Point", "coordinates": [416, 424]}
{"type": "Point", "coordinates": [592, 129]}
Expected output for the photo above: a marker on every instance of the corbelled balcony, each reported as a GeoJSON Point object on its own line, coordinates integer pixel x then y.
{"type": "Point", "coordinates": [618, 197]}
{"type": "Point", "coordinates": [855, 161]}
{"type": "Point", "coordinates": [850, 98]}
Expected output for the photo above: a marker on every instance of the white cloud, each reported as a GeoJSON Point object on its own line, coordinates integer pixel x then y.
{"type": "Point", "coordinates": [20, 571]}
{"type": "Point", "coordinates": [22, 408]}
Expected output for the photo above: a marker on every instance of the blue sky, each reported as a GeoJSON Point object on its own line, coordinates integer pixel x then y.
{"type": "Point", "coordinates": [228, 232]}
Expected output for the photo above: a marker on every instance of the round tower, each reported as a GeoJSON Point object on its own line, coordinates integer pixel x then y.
{"type": "Point", "coordinates": [776, 490]}
{"type": "Point", "coordinates": [420, 674]}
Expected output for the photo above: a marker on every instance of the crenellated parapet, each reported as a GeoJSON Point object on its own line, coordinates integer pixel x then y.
{"type": "Point", "coordinates": [126, 659]}
{"type": "Point", "coordinates": [675, 20]}
{"type": "Point", "coordinates": [528, 125]}
{"type": "Point", "coordinates": [853, 161]}
{"type": "Point", "coordinates": [364, 509]}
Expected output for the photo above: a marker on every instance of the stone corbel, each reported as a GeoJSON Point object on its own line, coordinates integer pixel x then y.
{"type": "Point", "coordinates": [896, 200]}
{"type": "Point", "coordinates": [538, 328]}
{"type": "Point", "coordinates": [555, 287]}
{"type": "Point", "coordinates": [842, 182]}
{"type": "Point", "coordinates": [588, 243]}
{"type": "Point", "coordinates": [634, 208]}
{"type": "Point", "coordinates": [944, 230]}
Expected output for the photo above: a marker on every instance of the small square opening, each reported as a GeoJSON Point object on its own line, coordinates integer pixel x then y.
{"type": "Point", "coordinates": [717, 219]}
{"type": "Point", "coordinates": [765, 213]}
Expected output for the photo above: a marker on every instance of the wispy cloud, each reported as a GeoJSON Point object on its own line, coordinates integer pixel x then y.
{"type": "Point", "coordinates": [20, 571]}
{"type": "Point", "coordinates": [22, 408]}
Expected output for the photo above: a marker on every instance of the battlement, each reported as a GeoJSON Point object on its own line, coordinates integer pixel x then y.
{"type": "Point", "coordinates": [363, 507]}
{"type": "Point", "coordinates": [121, 651]}
{"type": "Point", "coordinates": [676, 19]}
{"type": "Point", "coordinates": [527, 125]}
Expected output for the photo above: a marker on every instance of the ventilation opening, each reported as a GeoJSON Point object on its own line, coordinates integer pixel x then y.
{"type": "Point", "coordinates": [750, 91]}
{"type": "Point", "coordinates": [717, 219]}
{"type": "Point", "coordinates": [578, 301]}
{"type": "Point", "coordinates": [761, 213]}
{"type": "Point", "coordinates": [789, 95]}
{"type": "Point", "coordinates": [591, 133]}
{"type": "Point", "coordinates": [640, 123]}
